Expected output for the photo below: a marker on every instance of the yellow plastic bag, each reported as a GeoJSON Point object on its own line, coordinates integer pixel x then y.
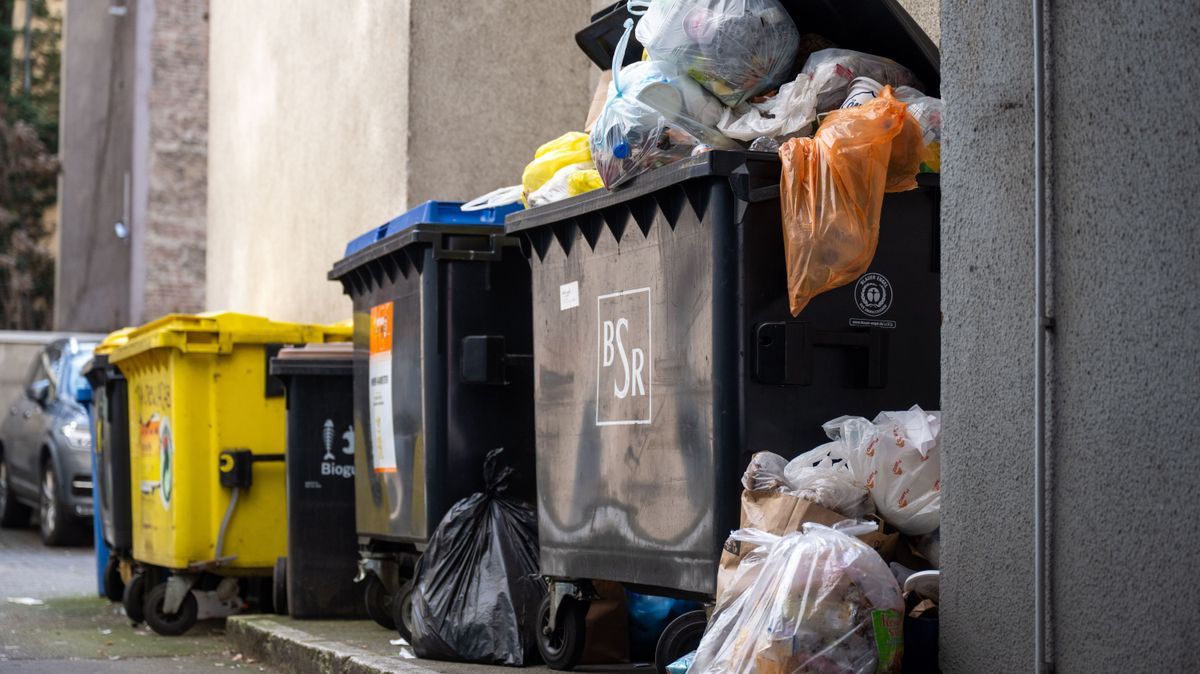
{"type": "Point", "coordinates": [584, 181]}
{"type": "Point", "coordinates": [569, 148]}
{"type": "Point", "coordinates": [831, 192]}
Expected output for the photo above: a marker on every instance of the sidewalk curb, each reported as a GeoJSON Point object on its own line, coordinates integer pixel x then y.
{"type": "Point", "coordinates": [298, 652]}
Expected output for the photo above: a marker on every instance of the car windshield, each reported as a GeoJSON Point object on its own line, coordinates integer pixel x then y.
{"type": "Point", "coordinates": [75, 367]}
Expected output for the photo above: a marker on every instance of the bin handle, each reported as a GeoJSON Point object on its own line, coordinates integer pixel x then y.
{"type": "Point", "coordinates": [739, 183]}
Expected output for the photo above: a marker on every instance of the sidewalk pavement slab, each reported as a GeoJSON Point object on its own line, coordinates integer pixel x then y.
{"type": "Point", "coordinates": [353, 647]}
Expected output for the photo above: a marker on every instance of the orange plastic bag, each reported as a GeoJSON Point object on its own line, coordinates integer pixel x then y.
{"type": "Point", "coordinates": [832, 190]}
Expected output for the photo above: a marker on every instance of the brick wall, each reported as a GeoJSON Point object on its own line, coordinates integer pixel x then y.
{"type": "Point", "coordinates": [178, 162]}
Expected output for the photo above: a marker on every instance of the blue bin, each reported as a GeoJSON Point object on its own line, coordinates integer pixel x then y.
{"type": "Point", "coordinates": [433, 213]}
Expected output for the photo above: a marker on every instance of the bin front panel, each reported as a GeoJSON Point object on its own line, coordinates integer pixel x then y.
{"type": "Point", "coordinates": [186, 408]}
{"type": "Point", "coordinates": [624, 401]}
{"type": "Point", "coordinates": [426, 430]}
{"type": "Point", "coordinates": [322, 546]}
{"type": "Point", "coordinates": [390, 499]}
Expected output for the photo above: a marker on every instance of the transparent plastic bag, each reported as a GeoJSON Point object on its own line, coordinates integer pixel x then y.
{"type": "Point", "coordinates": [831, 192]}
{"type": "Point", "coordinates": [734, 48]}
{"type": "Point", "coordinates": [898, 458]}
{"type": "Point", "coordinates": [832, 71]}
{"type": "Point", "coordinates": [822, 85]}
{"type": "Point", "coordinates": [569, 149]}
{"type": "Point", "coordinates": [818, 600]}
{"type": "Point", "coordinates": [648, 119]}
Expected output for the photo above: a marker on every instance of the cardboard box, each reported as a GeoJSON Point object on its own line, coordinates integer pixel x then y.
{"type": "Point", "coordinates": [598, 99]}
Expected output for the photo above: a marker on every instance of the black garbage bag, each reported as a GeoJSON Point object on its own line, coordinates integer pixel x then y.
{"type": "Point", "coordinates": [477, 589]}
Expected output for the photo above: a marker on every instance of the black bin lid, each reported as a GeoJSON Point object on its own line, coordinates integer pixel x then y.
{"type": "Point", "coordinates": [327, 359]}
{"type": "Point", "coordinates": [880, 27]}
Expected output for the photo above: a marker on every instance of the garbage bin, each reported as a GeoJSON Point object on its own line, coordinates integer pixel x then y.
{"type": "Point", "coordinates": [316, 579]}
{"type": "Point", "coordinates": [110, 461]}
{"type": "Point", "coordinates": [207, 441]}
{"type": "Point", "coordinates": [666, 355]}
{"type": "Point", "coordinates": [442, 338]}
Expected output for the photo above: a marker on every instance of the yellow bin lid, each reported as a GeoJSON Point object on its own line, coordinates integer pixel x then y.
{"type": "Point", "coordinates": [112, 341]}
{"type": "Point", "coordinates": [218, 332]}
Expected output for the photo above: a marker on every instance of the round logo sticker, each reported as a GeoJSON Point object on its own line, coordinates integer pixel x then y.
{"type": "Point", "coordinates": [166, 453]}
{"type": "Point", "coordinates": [873, 294]}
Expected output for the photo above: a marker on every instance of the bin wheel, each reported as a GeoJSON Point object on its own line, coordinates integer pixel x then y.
{"type": "Point", "coordinates": [114, 588]}
{"type": "Point", "coordinates": [279, 586]}
{"type": "Point", "coordinates": [402, 607]}
{"type": "Point", "coordinates": [168, 624]}
{"type": "Point", "coordinates": [682, 636]}
{"type": "Point", "coordinates": [379, 602]}
{"type": "Point", "coordinates": [563, 648]}
{"type": "Point", "coordinates": [134, 598]}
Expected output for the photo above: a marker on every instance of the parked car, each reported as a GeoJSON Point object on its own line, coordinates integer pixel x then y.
{"type": "Point", "coordinates": [46, 448]}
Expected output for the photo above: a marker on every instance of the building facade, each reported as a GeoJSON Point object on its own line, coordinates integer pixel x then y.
{"type": "Point", "coordinates": [134, 135]}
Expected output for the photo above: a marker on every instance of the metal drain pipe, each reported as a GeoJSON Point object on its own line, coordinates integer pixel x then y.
{"type": "Point", "coordinates": [1042, 325]}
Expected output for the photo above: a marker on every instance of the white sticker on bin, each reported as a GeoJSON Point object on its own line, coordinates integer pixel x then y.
{"type": "Point", "coordinates": [568, 296]}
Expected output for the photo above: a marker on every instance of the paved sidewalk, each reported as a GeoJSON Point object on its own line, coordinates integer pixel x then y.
{"type": "Point", "coordinates": [353, 647]}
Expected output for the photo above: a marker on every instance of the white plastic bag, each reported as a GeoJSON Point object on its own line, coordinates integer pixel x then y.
{"type": "Point", "coordinates": [818, 600]}
{"type": "Point", "coordinates": [734, 48]}
{"type": "Point", "coordinates": [813, 476]}
{"type": "Point", "coordinates": [654, 115]}
{"type": "Point", "coordinates": [898, 458]}
{"type": "Point", "coordinates": [822, 85]}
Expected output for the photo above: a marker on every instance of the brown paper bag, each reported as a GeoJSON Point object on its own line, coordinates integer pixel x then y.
{"type": "Point", "coordinates": [778, 513]}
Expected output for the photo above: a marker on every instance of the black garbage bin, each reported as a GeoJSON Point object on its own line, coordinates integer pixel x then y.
{"type": "Point", "coordinates": [666, 356]}
{"type": "Point", "coordinates": [316, 579]}
{"type": "Point", "coordinates": [113, 497]}
{"type": "Point", "coordinates": [443, 343]}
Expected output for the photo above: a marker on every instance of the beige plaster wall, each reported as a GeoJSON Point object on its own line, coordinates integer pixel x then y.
{"type": "Point", "coordinates": [326, 119]}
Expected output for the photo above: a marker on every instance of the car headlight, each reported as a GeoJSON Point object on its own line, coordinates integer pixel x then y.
{"type": "Point", "coordinates": [78, 435]}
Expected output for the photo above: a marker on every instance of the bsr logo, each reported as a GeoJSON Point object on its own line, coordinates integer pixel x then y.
{"type": "Point", "coordinates": [630, 382]}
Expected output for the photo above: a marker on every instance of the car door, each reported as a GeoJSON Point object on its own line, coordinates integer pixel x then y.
{"type": "Point", "coordinates": [21, 457]}
{"type": "Point", "coordinates": [42, 414]}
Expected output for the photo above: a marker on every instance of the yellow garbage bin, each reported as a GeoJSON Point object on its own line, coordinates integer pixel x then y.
{"type": "Point", "coordinates": [207, 427]}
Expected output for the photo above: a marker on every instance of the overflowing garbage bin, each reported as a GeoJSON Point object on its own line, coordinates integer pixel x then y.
{"type": "Point", "coordinates": [443, 341]}
{"type": "Point", "coordinates": [316, 579]}
{"type": "Point", "coordinates": [671, 342]}
{"type": "Point", "coordinates": [110, 461]}
{"type": "Point", "coordinates": [207, 427]}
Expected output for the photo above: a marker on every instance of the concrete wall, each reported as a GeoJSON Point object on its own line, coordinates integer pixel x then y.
{"type": "Point", "coordinates": [96, 149]}
{"type": "Point", "coordinates": [1124, 359]}
{"type": "Point", "coordinates": [327, 122]}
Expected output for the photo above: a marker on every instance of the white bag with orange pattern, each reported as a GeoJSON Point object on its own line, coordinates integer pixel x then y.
{"type": "Point", "coordinates": [897, 457]}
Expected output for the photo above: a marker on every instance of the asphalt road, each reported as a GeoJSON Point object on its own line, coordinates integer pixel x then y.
{"type": "Point", "coordinates": [52, 621]}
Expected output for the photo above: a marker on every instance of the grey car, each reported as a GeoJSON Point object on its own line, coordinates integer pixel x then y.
{"type": "Point", "coordinates": [46, 448]}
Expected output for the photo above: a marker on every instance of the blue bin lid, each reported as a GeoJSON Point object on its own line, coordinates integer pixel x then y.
{"type": "Point", "coordinates": [434, 213]}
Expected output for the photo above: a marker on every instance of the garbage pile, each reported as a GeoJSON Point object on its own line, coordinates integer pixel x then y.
{"type": "Point", "coordinates": [812, 582]}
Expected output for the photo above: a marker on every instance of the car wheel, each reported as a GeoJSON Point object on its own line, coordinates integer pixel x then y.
{"type": "Point", "coordinates": [13, 513]}
{"type": "Point", "coordinates": [57, 525]}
